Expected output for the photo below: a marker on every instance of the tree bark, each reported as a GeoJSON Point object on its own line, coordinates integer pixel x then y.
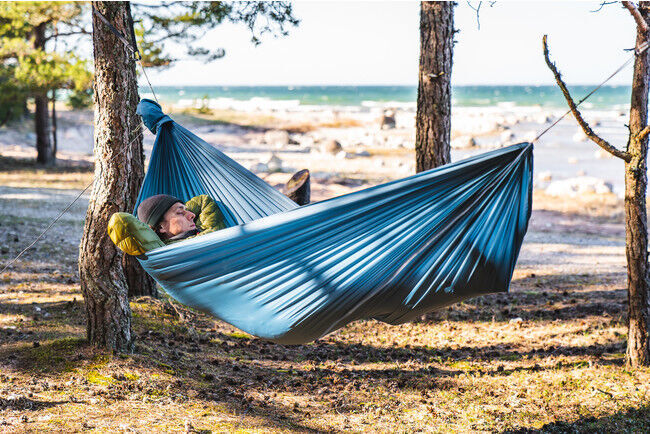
{"type": "Point", "coordinates": [298, 188]}
{"type": "Point", "coordinates": [636, 228]}
{"type": "Point", "coordinates": [44, 152]}
{"type": "Point", "coordinates": [54, 138]}
{"type": "Point", "coordinates": [433, 118]}
{"type": "Point", "coordinates": [119, 169]}
{"type": "Point", "coordinates": [139, 283]}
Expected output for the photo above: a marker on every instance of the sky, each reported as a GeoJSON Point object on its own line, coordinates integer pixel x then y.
{"type": "Point", "coordinates": [377, 43]}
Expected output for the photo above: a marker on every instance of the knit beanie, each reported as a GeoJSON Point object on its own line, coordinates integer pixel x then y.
{"type": "Point", "coordinates": [152, 209]}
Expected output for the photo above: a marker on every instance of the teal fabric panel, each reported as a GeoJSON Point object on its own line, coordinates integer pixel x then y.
{"type": "Point", "coordinates": [183, 165]}
{"type": "Point", "coordinates": [391, 252]}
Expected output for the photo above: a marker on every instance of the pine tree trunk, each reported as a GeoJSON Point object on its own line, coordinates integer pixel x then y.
{"type": "Point", "coordinates": [138, 282]}
{"type": "Point", "coordinates": [54, 138]}
{"type": "Point", "coordinates": [119, 163]}
{"type": "Point", "coordinates": [433, 118]}
{"type": "Point", "coordinates": [44, 153]}
{"type": "Point", "coordinates": [636, 227]}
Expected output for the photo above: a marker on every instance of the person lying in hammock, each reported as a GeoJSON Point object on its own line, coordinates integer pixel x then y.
{"type": "Point", "coordinates": [164, 219]}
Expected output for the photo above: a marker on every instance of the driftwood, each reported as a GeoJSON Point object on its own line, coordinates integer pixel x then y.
{"type": "Point", "coordinates": [298, 188]}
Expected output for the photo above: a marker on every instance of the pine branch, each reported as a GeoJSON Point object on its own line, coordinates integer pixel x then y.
{"type": "Point", "coordinates": [574, 109]}
{"type": "Point", "coordinates": [57, 35]}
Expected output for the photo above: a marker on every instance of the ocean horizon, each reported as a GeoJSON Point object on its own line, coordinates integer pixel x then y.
{"type": "Point", "coordinates": [547, 96]}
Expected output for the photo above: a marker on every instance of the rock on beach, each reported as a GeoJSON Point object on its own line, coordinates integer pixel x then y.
{"type": "Point", "coordinates": [277, 137]}
{"type": "Point", "coordinates": [463, 142]}
{"type": "Point", "coordinates": [573, 187]}
{"type": "Point", "coordinates": [331, 147]}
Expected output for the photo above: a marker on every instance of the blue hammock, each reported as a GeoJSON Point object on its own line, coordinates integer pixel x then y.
{"type": "Point", "coordinates": [293, 274]}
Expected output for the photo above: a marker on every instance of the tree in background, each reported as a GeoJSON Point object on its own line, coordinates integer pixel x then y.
{"type": "Point", "coordinates": [119, 161]}
{"type": "Point", "coordinates": [31, 63]}
{"type": "Point", "coordinates": [636, 183]}
{"type": "Point", "coordinates": [29, 31]}
{"type": "Point", "coordinates": [13, 95]}
{"type": "Point", "coordinates": [433, 117]}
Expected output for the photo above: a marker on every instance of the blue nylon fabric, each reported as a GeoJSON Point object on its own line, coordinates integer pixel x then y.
{"type": "Point", "coordinates": [391, 252]}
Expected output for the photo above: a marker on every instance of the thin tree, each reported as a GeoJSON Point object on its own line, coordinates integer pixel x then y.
{"type": "Point", "coordinates": [635, 157]}
{"type": "Point", "coordinates": [27, 30]}
{"type": "Point", "coordinates": [433, 117]}
{"type": "Point", "coordinates": [119, 169]}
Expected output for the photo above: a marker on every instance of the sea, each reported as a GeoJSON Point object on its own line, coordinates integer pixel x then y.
{"type": "Point", "coordinates": [607, 97]}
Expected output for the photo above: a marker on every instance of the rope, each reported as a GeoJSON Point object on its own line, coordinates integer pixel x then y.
{"type": "Point", "coordinates": [132, 46]}
{"type": "Point", "coordinates": [637, 51]}
{"type": "Point", "coordinates": [118, 34]}
{"type": "Point", "coordinates": [69, 205]}
{"type": "Point", "coordinates": [150, 86]}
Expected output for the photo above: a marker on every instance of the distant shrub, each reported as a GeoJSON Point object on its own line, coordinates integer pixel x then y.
{"type": "Point", "coordinates": [13, 97]}
{"type": "Point", "coordinates": [80, 99]}
{"type": "Point", "coordinates": [204, 108]}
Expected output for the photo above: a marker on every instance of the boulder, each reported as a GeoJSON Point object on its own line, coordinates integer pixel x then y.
{"type": "Point", "coordinates": [580, 136]}
{"type": "Point", "coordinates": [507, 136]}
{"type": "Point", "coordinates": [274, 164]}
{"type": "Point", "coordinates": [331, 146]}
{"type": "Point", "coordinates": [259, 168]}
{"type": "Point", "coordinates": [601, 153]}
{"type": "Point", "coordinates": [530, 136]}
{"type": "Point", "coordinates": [463, 142]}
{"type": "Point", "coordinates": [277, 137]}
{"type": "Point", "coordinates": [387, 120]}
{"type": "Point", "coordinates": [573, 187]}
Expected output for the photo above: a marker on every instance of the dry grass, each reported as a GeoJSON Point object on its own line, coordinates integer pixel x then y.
{"type": "Point", "coordinates": [21, 173]}
{"type": "Point", "coordinates": [259, 121]}
{"type": "Point", "coordinates": [547, 357]}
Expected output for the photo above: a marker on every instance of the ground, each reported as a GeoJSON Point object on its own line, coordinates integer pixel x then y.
{"type": "Point", "coordinates": [546, 357]}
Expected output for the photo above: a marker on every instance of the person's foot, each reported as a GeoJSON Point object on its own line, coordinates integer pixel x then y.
{"type": "Point", "coordinates": [298, 188]}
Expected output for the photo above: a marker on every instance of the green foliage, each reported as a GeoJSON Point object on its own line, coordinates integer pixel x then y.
{"type": "Point", "coordinates": [32, 60]}
{"type": "Point", "coordinates": [41, 71]}
{"type": "Point", "coordinates": [80, 99]}
{"type": "Point", "coordinates": [13, 95]}
{"type": "Point", "coordinates": [186, 22]}
{"type": "Point", "coordinates": [205, 106]}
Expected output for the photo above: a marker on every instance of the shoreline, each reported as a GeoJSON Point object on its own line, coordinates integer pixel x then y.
{"type": "Point", "coordinates": [350, 143]}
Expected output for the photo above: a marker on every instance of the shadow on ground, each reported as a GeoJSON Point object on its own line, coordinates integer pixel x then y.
{"type": "Point", "coordinates": [636, 420]}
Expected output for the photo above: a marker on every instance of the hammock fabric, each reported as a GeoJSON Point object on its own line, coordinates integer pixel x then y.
{"type": "Point", "coordinates": [293, 274]}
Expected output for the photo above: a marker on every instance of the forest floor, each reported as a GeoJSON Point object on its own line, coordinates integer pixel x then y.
{"type": "Point", "coordinates": [546, 357]}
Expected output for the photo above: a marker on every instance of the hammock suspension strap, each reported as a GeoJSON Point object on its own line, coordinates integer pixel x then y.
{"type": "Point", "coordinates": [132, 46]}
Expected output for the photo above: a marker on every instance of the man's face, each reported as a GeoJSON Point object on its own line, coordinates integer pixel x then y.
{"type": "Point", "coordinates": [176, 220]}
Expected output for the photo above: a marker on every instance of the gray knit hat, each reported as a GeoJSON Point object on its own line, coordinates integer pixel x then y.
{"type": "Point", "coordinates": [153, 208]}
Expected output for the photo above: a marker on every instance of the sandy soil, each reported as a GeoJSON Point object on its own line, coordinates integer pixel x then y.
{"type": "Point", "coordinates": [546, 357]}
